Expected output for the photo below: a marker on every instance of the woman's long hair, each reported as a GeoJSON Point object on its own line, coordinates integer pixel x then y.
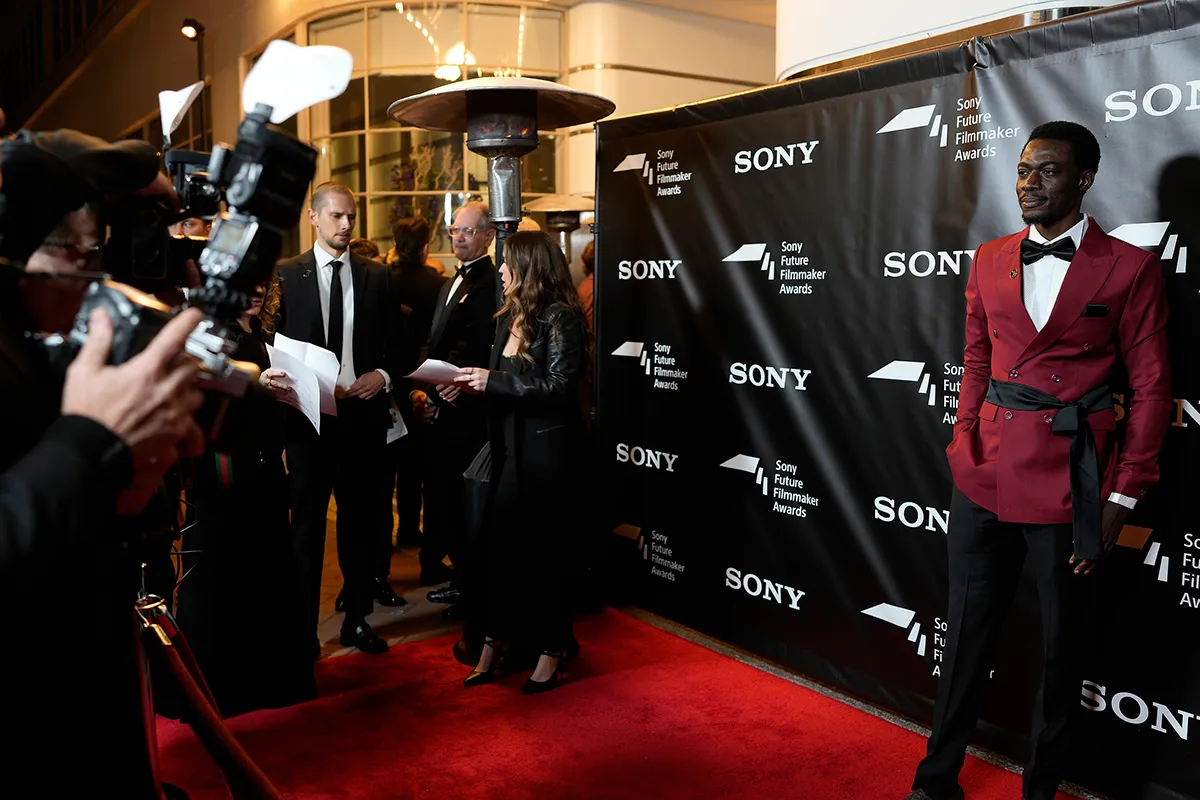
{"type": "Point", "coordinates": [542, 281]}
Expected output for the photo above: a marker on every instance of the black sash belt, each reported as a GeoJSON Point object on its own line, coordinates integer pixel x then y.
{"type": "Point", "coordinates": [1071, 420]}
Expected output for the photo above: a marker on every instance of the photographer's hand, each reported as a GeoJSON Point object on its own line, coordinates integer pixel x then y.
{"type": "Point", "coordinates": [149, 401]}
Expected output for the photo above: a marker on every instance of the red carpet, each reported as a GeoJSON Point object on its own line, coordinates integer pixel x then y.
{"type": "Point", "coordinates": [644, 715]}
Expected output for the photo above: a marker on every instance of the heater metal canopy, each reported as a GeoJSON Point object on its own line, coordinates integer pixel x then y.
{"type": "Point", "coordinates": [561, 202]}
{"type": "Point", "coordinates": [445, 108]}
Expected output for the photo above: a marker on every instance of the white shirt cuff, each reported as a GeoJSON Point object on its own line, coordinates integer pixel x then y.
{"type": "Point", "coordinates": [1122, 500]}
{"type": "Point", "coordinates": [387, 380]}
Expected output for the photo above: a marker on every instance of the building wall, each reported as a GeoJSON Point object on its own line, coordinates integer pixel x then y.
{"type": "Point", "coordinates": [643, 57]}
{"type": "Point", "coordinates": [808, 35]}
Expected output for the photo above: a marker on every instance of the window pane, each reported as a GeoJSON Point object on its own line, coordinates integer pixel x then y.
{"type": "Point", "coordinates": [385, 211]}
{"type": "Point", "coordinates": [387, 89]}
{"type": "Point", "coordinates": [341, 114]}
{"type": "Point", "coordinates": [415, 160]}
{"type": "Point", "coordinates": [516, 40]}
{"type": "Point", "coordinates": [420, 35]}
{"type": "Point", "coordinates": [538, 173]}
{"type": "Point", "coordinates": [345, 32]}
{"type": "Point", "coordinates": [341, 159]}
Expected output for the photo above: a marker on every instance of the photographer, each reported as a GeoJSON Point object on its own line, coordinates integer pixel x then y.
{"type": "Point", "coordinates": [72, 456]}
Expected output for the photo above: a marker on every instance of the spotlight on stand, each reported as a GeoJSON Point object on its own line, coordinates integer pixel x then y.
{"type": "Point", "coordinates": [501, 117]}
{"type": "Point", "coordinates": [562, 215]}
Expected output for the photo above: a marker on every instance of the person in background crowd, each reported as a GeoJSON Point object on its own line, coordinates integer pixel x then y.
{"type": "Point", "coordinates": [587, 287]}
{"type": "Point", "coordinates": [1053, 312]}
{"type": "Point", "coordinates": [365, 248]}
{"type": "Point", "coordinates": [417, 287]}
{"type": "Point", "coordinates": [461, 333]}
{"type": "Point", "coordinates": [539, 442]}
{"type": "Point", "coordinates": [241, 552]}
{"type": "Point", "coordinates": [192, 226]}
{"type": "Point", "coordinates": [342, 302]}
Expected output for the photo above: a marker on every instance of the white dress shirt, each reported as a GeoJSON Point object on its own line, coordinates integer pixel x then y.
{"type": "Point", "coordinates": [1043, 279]}
{"type": "Point", "coordinates": [458, 278]}
{"type": "Point", "coordinates": [326, 262]}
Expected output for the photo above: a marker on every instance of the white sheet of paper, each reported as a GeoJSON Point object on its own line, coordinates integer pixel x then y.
{"type": "Point", "coordinates": [398, 430]}
{"type": "Point", "coordinates": [306, 392]}
{"type": "Point", "coordinates": [322, 362]}
{"type": "Point", "coordinates": [435, 372]}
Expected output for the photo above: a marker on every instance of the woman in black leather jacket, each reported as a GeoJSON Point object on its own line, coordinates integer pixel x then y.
{"type": "Point", "coordinates": [539, 447]}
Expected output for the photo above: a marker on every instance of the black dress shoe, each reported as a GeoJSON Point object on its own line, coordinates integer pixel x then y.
{"type": "Point", "coordinates": [385, 595]}
{"type": "Point", "coordinates": [454, 613]}
{"type": "Point", "coordinates": [447, 595]}
{"type": "Point", "coordinates": [364, 638]}
{"type": "Point", "coordinates": [436, 574]}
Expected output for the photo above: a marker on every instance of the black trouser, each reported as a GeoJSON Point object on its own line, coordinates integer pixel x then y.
{"type": "Point", "coordinates": [347, 460]}
{"type": "Point", "coordinates": [986, 558]}
{"type": "Point", "coordinates": [453, 443]}
{"type": "Point", "coordinates": [403, 472]}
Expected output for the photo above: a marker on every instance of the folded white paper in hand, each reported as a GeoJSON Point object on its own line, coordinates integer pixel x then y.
{"type": "Point", "coordinates": [398, 430]}
{"type": "Point", "coordinates": [435, 372]}
{"type": "Point", "coordinates": [323, 363]}
{"type": "Point", "coordinates": [305, 393]}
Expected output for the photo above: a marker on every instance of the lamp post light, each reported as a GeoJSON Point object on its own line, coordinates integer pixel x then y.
{"type": "Point", "coordinates": [191, 29]}
{"type": "Point", "coordinates": [501, 117]}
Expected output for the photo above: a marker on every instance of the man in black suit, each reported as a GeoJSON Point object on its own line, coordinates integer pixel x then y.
{"type": "Point", "coordinates": [416, 286]}
{"type": "Point", "coordinates": [462, 331]}
{"type": "Point", "coordinates": [336, 300]}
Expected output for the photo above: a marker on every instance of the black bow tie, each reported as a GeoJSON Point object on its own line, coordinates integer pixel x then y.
{"type": "Point", "coordinates": [1032, 252]}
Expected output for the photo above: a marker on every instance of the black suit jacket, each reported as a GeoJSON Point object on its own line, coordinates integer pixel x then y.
{"type": "Point", "coordinates": [463, 329]}
{"type": "Point", "coordinates": [417, 286]}
{"type": "Point", "coordinates": [378, 326]}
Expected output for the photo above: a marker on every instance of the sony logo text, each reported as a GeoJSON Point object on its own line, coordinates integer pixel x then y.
{"type": "Point", "coordinates": [1158, 101]}
{"type": "Point", "coordinates": [1133, 710]}
{"type": "Point", "coordinates": [912, 515]}
{"type": "Point", "coordinates": [767, 158]}
{"type": "Point", "coordinates": [755, 586]}
{"type": "Point", "coordinates": [924, 263]}
{"type": "Point", "coordinates": [647, 270]}
{"type": "Point", "coordinates": [770, 377]}
{"type": "Point", "coordinates": [644, 457]}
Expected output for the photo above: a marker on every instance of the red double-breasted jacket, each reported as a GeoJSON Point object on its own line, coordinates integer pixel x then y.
{"type": "Point", "coordinates": [1008, 461]}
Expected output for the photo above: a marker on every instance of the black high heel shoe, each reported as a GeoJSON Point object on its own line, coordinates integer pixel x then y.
{"type": "Point", "coordinates": [477, 678]}
{"type": "Point", "coordinates": [537, 687]}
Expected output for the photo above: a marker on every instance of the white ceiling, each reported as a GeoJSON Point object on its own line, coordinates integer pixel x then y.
{"type": "Point", "coordinates": [759, 12]}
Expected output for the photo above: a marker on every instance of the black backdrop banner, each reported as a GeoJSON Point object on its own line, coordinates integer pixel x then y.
{"type": "Point", "coordinates": [780, 339]}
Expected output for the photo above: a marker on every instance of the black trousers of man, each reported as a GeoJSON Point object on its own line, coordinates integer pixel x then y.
{"type": "Point", "coordinates": [986, 559]}
{"type": "Point", "coordinates": [345, 460]}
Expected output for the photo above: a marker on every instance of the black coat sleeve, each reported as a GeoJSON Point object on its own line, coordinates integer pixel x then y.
{"type": "Point", "coordinates": [564, 363]}
{"type": "Point", "coordinates": [51, 498]}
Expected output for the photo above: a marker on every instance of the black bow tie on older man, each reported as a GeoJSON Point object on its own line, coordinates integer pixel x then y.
{"type": "Point", "coordinates": [1033, 252]}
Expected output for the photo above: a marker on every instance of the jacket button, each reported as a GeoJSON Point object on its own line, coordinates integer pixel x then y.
{"type": "Point", "coordinates": [1087, 347]}
{"type": "Point", "coordinates": [1014, 374]}
{"type": "Point", "coordinates": [1008, 415]}
{"type": "Point", "coordinates": [1055, 378]}
{"type": "Point", "coordinates": [1049, 418]}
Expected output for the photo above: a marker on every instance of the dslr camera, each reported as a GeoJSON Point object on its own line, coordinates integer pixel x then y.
{"type": "Point", "coordinates": [263, 180]}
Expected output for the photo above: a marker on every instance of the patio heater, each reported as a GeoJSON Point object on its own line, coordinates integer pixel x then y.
{"type": "Point", "coordinates": [562, 215]}
{"type": "Point", "coordinates": [501, 117]}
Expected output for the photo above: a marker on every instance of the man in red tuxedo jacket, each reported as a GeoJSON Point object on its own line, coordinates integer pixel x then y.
{"type": "Point", "coordinates": [1052, 312]}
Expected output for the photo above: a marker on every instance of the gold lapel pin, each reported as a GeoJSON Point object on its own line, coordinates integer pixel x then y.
{"type": "Point", "coordinates": [1013, 274]}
